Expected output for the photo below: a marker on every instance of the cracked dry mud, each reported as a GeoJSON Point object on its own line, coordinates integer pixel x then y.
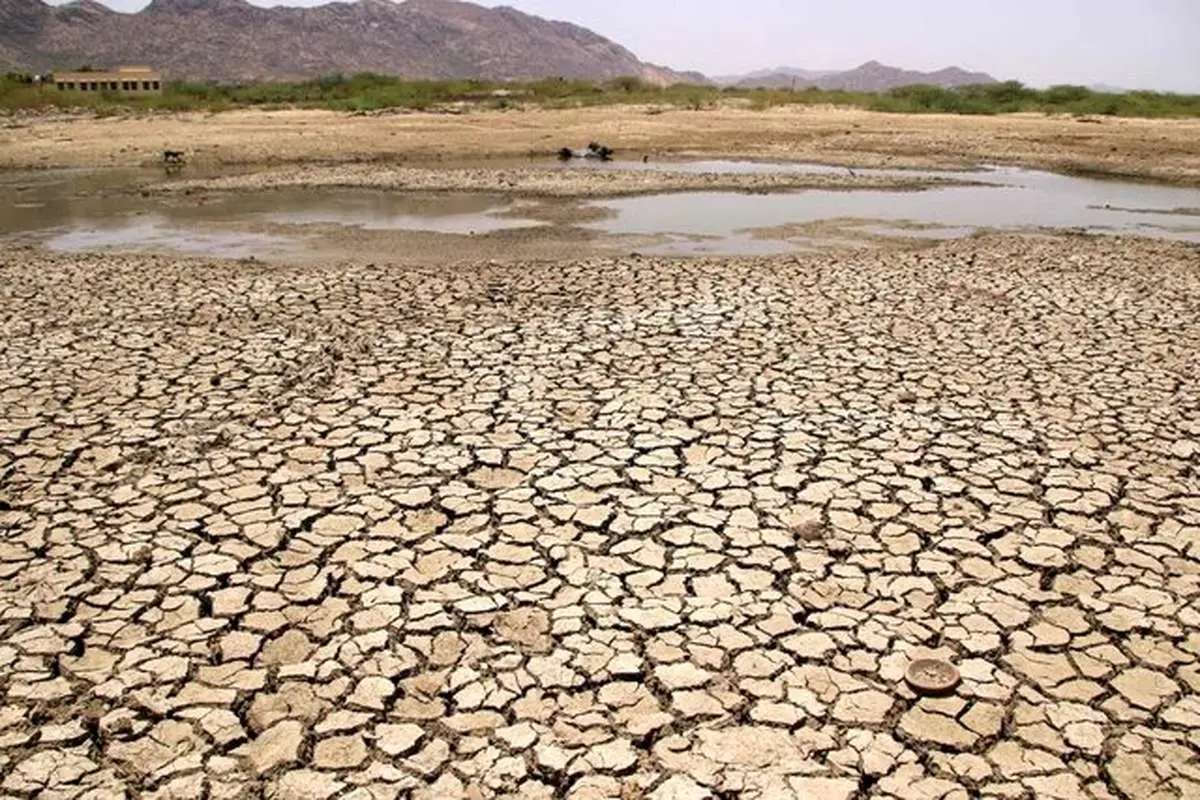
{"type": "Point", "coordinates": [620, 528]}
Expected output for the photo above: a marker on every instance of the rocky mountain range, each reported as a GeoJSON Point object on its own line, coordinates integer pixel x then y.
{"type": "Point", "coordinates": [774, 74]}
{"type": "Point", "coordinates": [232, 40]}
{"type": "Point", "coordinates": [869, 77]}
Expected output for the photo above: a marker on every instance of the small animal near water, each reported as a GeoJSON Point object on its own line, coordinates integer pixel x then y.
{"type": "Point", "coordinates": [594, 150]}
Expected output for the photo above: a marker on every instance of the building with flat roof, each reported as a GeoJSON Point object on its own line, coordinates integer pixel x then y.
{"type": "Point", "coordinates": [126, 80]}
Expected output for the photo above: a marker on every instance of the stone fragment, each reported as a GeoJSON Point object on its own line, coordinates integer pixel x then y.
{"type": "Point", "coordinates": [680, 787]}
{"type": "Point", "coordinates": [292, 647]}
{"type": "Point", "coordinates": [398, 739]}
{"type": "Point", "coordinates": [495, 479]}
{"type": "Point", "coordinates": [616, 756]}
{"type": "Point", "coordinates": [863, 708]}
{"type": "Point", "coordinates": [1145, 688]}
{"type": "Point", "coordinates": [274, 747]}
{"type": "Point", "coordinates": [936, 729]}
{"type": "Point", "coordinates": [307, 784]}
{"type": "Point", "coordinates": [340, 752]}
{"type": "Point", "coordinates": [527, 628]}
{"type": "Point", "coordinates": [825, 788]}
{"type": "Point", "coordinates": [815, 645]}
{"type": "Point", "coordinates": [683, 675]}
{"type": "Point", "coordinates": [48, 770]}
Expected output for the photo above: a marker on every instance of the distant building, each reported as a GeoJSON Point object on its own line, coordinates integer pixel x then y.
{"type": "Point", "coordinates": [127, 80]}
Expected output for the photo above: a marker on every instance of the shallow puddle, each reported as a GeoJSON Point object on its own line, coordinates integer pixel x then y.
{"type": "Point", "coordinates": [66, 213]}
{"type": "Point", "coordinates": [1013, 199]}
{"type": "Point", "coordinates": [71, 210]}
{"type": "Point", "coordinates": [156, 233]}
{"type": "Point", "coordinates": [463, 214]}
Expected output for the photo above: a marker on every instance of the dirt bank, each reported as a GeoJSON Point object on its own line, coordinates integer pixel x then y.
{"type": "Point", "coordinates": [1166, 150]}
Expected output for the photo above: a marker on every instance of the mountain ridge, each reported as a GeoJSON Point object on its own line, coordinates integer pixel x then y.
{"type": "Point", "coordinates": [871, 76]}
{"type": "Point", "coordinates": [235, 41]}
{"type": "Point", "coordinates": [759, 74]}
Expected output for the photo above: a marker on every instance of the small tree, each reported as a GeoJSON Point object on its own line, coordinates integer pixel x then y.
{"type": "Point", "coordinates": [628, 84]}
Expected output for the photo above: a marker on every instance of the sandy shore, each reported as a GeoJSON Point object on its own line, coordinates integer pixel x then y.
{"type": "Point", "coordinates": [610, 528]}
{"type": "Point", "coordinates": [1167, 150]}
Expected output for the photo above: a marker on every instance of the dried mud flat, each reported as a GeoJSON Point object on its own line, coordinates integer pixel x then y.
{"type": "Point", "coordinates": [1165, 150]}
{"type": "Point", "coordinates": [615, 528]}
{"type": "Point", "coordinates": [534, 181]}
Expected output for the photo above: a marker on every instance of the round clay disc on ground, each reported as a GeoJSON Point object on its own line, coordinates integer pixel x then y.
{"type": "Point", "coordinates": [932, 676]}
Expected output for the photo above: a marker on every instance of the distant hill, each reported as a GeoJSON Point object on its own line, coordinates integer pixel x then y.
{"type": "Point", "coordinates": [775, 74]}
{"type": "Point", "coordinates": [869, 77]}
{"type": "Point", "coordinates": [232, 40]}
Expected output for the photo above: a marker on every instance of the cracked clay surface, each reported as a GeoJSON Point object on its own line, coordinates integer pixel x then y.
{"type": "Point", "coordinates": [623, 528]}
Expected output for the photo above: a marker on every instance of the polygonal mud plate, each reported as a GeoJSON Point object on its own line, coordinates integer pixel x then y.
{"type": "Point", "coordinates": [933, 677]}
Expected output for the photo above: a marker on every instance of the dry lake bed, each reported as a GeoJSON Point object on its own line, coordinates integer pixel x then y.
{"type": "Point", "coordinates": [599, 524]}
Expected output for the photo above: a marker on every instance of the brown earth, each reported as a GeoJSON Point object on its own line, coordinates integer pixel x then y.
{"type": "Point", "coordinates": [608, 528]}
{"type": "Point", "coordinates": [1167, 150]}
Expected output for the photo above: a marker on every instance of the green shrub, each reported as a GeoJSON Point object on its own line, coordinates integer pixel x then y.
{"type": "Point", "coordinates": [372, 91]}
{"type": "Point", "coordinates": [1066, 95]}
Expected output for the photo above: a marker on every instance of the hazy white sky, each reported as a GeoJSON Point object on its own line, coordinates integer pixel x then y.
{"type": "Point", "coordinates": [1127, 43]}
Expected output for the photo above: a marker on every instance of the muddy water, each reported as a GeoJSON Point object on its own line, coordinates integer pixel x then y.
{"type": "Point", "coordinates": [71, 210]}
{"type": "Point", "coordinates": [41, 202]}
{"type": "Point", "coordinates": [1012, 199]}
{"type": "Point", "coordinates": [154, 233]}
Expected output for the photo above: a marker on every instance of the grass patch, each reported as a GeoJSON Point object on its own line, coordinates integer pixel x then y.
{"type": "Point", "coordinates": [367, 92]}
